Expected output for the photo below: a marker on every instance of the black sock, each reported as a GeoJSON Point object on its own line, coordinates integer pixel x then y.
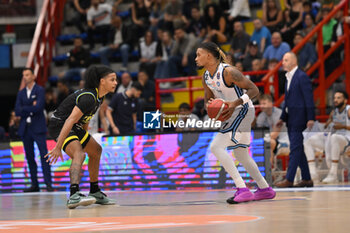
{"type": "Point", "coordinates": [74, 188]}
{"type": "Point", "coordinates": [94, 187]}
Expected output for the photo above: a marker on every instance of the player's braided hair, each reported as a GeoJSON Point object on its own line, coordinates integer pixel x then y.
{"type": "Point", "coordinates": [94, 74]}
{"type": "Point", "coordinates": [215, 51]}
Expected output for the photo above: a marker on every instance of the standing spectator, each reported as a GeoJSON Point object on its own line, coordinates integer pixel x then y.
{"type": "Point", "coordinates": [163, 51]}
{"type": "Point", "coordinates": [99, 22]}
{"type": "Point", "coordinates": [261, 35]}
{"type": "Point", "coordinates": [216, 24]}
{"type": "Point", "coordinates": [182, 54]}
{"type": "Point", "coordinates": [239, 40]}
{"type": "Point", "coordinates": [63, 91]}
{"type": "Point", "coordinates": [272, 15]}
{"type": "Point", "coordinates": [121, 112]}
{"type": "Point", "coordinates": [121, 41]}
{"type": "Point", "coordinates": [126, 82]}
{"type": "Point", "coordinates": [30, 105]}
{"type": "Point", "coordinates": [298, 113]}
{"type": "Point", "coordinates": [276, 50]}
{"type": "Point", "coordinates": [253, 53]}
{"type": "Point", "coordinates": [147, 50]}
{"type": "Point", "coordinates": [307, 56]}
{"type": "Point", "coordinates": [197, 25]}
{"type": "Point", "coordinates": [78, 61]}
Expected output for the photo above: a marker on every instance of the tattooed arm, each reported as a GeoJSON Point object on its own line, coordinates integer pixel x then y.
{"type": "Point", "coordinates": [233, 76]}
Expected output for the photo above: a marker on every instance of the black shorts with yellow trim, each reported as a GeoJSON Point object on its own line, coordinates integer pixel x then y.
{"type": "Point", "coordinates": [77, 133]}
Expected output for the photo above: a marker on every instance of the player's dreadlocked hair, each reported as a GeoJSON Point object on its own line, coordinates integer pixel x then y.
{"type": "Point", "coordinates": [215, 51]}
{"type": "Point", "coordinates": [94, 74]}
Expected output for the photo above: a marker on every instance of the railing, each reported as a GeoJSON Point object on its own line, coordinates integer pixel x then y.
{"type": "Point", "coordinates": [192, 89]}
{"type": "Point", "coordinates": [323, 82]}
{"type": "Point", "coordinates": [41, 50]}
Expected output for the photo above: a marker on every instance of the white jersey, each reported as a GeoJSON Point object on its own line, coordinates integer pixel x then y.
{"type": "Point", "coordinates": [239, 125]}
{"type": "Point", "coordinates": [342, 118]}
{"type": "Point", "coordinates": [220, 89]}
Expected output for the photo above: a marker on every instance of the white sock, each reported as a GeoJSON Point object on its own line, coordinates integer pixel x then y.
{"type": "Point", "coordinates": [334, 169]}
{"type": "Point", "coordinates": [249, 164]}
{"type": "Point", "coordinates": [227, 162]}
{"type": "Point", "coordinates": [312, 167]}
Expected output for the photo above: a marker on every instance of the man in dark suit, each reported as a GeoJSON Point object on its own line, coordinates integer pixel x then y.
{"type": "Point", "coordinates": [298, 113]}
{"type": "Point", "coordinates": [30, 104]}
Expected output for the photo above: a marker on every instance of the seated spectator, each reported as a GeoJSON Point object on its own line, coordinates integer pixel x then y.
{"type": "Point", "coordinates": [239, 40]}
{"type": "Point", "coordinates": [308, 9]}
{"type": "Point", "coordinates": [126, 82]}
{"type": "Point", "coordinates": [272, 15]}
{"type": "Point", "coordinates": [148, 93]}
{"type": "Point", "coordinates": [63, 91]}
{"type": "Point", "coordinates": [307, 56]}
{"type": "Point", "coordinates": [172, 11]}
{"type": "Point", "coordinates": [293, 21]}
{"type": "Point", "coordinates": [276, 50]}
{"type": "Point", "coordinates": [253, 53]}
{"type": "Point", "coordinates": [187, 10]}
{"type": "Point", "coordinates": [204, 3]}
{"type": "Point", "coordinates": [121, 41]}
{"type": "Point", "coordinates": [99, 20]}
{"type": "Point", "coordinates": [13, 126]}
{"type": "Point", "coordinates": [197, 24]}
{"type": "Point", "coordinates": [216, 24]}
{"type": "Point", "coordinates": [309, 23]}
{"type": "Point", "coordinates": [122, 109]}
{"type": "Point", "coordinates": [182, 55]}
{"type": "Point", "coordinates": [148, 51]}
{"type": "Point", "coordinates": [239, 10]}
{"type": "Point", "coordinates": [239, 66]}
{"type": "Point", "coordinates": [78, 61]}
{"type": "Point", "coordinates": [156, 16]}
{"type": "Point", "coordinates": [257, 66]}
{"type": "Point", "coordinates": [199, 110]}
{"type": "Point", "coordinates": [140, 18]}
{"type": "Point", "coordinates": [268, 117]}
{"type": "Point", "coordinates": [184, 116]}
{"type": "Point", "coordinates": [166, 45]}
{"type": "Point", "coordinates": [50, 102]}
{"type": "Point", "coordinates": [261, 35]}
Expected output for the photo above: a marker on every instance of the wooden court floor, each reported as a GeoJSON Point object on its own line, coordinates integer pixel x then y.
{"type": "Point", "coordinates": [321, 209]}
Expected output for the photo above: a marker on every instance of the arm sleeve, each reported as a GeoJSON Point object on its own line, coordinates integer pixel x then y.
{"type": "Point", "coordinates": [85, 102]}
{"type": "Point", "coordinates": [306, 89]}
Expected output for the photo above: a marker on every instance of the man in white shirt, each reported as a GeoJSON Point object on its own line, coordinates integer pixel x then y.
{"type": "Point", "coordinates": [298, 113]}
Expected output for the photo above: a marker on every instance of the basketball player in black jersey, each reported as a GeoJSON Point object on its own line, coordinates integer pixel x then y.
{"type": "Point", "coordinates": [68, 126]}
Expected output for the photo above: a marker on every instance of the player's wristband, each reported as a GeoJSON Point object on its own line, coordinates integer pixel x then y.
{"type": "Point", "coordinates": [245, 98]}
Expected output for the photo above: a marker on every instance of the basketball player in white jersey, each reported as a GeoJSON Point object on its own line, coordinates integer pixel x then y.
{"type": "Point", "coordinates": [224, 81]}
{"type": "Point", "coordinates": [335, 144]}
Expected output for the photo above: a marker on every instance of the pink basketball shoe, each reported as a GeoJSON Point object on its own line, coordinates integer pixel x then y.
{"type": "Point", "coordinates": [241, 195]}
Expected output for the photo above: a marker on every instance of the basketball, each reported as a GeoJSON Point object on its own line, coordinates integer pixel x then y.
{"type": "Point", "coordinates": [215, 108]}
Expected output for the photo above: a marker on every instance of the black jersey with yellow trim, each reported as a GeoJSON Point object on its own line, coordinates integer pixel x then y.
{"type": "Point", "coordinates": [85, 99]}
